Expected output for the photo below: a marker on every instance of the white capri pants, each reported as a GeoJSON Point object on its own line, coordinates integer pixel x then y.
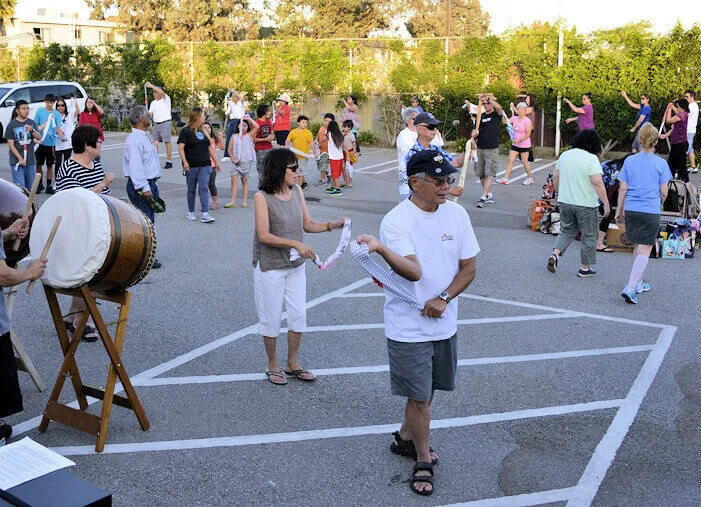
{"type": "Point", "coordinates": [273, 288]}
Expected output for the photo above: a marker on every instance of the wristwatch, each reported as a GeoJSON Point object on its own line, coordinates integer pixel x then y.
{"type": "Point", "coordinates": [444, 296]}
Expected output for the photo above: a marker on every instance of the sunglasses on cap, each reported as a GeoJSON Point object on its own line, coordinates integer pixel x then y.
{"type": "Point", "coordinates": [293, 167]}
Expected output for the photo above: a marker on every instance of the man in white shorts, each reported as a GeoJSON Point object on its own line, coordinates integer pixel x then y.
{"type": "Point", "coordinates": [162, 122]}
{"type": "Point", "coordinates": [429, 242]}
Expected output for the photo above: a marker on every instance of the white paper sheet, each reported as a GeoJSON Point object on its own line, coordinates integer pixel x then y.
{"type": "Point", "coordinates": [25, 460]}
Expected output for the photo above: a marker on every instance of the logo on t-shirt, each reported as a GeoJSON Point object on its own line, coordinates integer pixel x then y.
{"type": "Point", "coordinates": [446, 237]}
{"type": "Point", "coordinates": [199, 136]}
{"type": "Point", "coordinates": [21, 135]}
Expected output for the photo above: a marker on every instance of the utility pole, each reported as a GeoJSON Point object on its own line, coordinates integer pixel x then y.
{"type": "Point", "coordinates": [558, 114]}
{"type": "Point", "coordinates": [448, 16]}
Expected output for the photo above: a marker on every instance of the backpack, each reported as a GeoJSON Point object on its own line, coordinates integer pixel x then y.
{"type": "Point", "coordinates": [539, 209]}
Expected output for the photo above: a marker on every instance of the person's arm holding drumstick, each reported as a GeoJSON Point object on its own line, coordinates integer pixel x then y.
{"type": "Point", "coordinates": [11, 276]}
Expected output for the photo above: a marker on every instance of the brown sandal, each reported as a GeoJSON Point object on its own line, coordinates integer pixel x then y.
{"type": "Point", "coordinates": [308, 376]}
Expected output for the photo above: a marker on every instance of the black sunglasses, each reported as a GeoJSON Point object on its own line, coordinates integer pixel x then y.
{"type": "Point", "coordinates": [429, 127]}
{"type": "Point", "coordinates": [293, 167]}
{"type": "Point", "coordinates": [60, 104]}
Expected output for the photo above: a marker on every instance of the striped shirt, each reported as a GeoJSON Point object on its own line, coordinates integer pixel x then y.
{"type": "Point", "coordinates": [71, 175]}
{"type": "Point", "coordinates": [419, 147]}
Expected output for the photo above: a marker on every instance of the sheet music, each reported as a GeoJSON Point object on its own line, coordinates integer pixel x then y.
{"type": "Point", "coordinates": [25, 460]}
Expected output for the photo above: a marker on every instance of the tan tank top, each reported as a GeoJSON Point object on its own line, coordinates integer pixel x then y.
{"type": "Point", "coordinates": [286, 220]}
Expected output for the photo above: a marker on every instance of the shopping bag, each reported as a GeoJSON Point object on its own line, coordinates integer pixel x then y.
{"type": "Point", "coordinates": [672, 248]}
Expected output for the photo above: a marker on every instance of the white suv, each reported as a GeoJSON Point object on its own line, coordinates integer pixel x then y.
{"type": "Point", "coordinates": [34, 93]}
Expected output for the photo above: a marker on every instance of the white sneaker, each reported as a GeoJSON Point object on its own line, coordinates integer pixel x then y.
{"type": "Point", "coordinates": [503, 181]}
{"type": "Point", "coordinates": [490, 198]}
{"type": "Point", "coordinates": [693, 169]}
{"type": "Point", "coordinates": [527, 181]}
{"type": "Point", "coordinates": [206, 218]}
{"type": "Point", "coordinates": [191, 216]}
{"type": "Point", "coordinates": [225, 159]}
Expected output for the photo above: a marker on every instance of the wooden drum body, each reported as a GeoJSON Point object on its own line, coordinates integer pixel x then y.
{"type": "Point", "coordinates": [102, 241]}
{"type": "Point", "coordinates": [13, 200]}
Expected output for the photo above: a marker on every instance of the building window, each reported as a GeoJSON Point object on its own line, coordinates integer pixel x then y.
{"type": "Point", "coordinates": [78, 34]}
{"type": "Point", "coordinates": [106, 37]}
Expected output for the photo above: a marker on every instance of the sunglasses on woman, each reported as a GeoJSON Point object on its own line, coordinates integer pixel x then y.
{"type": "Point", "coordinates": [60, 104]}
{"type": "Point", "coordinates": [293, 167]}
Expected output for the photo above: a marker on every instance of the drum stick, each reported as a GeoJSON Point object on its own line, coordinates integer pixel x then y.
{"type": "Point", "coordinates": [463, 170]}
{"type": "Point", "coordinates": [28, 207]}
{"type": "Point", "coordinates": [46, 249]}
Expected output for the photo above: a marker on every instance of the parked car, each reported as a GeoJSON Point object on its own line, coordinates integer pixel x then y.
{"type": "Point", "coordinates": [34, 93]}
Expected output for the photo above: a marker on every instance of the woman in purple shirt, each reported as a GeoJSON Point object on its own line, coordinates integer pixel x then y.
{"type": "Point", "coordinates": [585, 114]}
{"type": "Point", "coordinates": [678, 116]}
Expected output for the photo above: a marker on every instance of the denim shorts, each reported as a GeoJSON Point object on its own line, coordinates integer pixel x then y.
{"type": "Point", "coordinates": [418, 369]}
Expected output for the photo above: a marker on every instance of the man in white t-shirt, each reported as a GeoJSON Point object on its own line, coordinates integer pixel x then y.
{"type": "Point", "coordinates": [693, 120]}
{"type": "Point", "coordinates": [405, 140]}
{"type": "Point", "coordinates": [429, 242]}
{"type": "Point", "coordinates": [162, 122]}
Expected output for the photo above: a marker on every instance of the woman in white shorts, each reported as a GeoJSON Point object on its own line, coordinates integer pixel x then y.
{"type": "Point", "coordinates": [279, 255]}
{"type": "Point", "coordinates": [243, 157]}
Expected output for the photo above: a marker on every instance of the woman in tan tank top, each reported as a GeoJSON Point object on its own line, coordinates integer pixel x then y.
{"type": "Point", "coordinates": [279, 254]}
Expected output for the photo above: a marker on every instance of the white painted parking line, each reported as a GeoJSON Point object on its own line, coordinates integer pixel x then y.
{"type": "Point", "coordinates": [380, 368]}
{"type": "Point", "coordinates": [518, 166]}
{"type": "Point", "coordinates": [112, 146]}
{"type": "Point", "coordinates": [533, 171]}
{"type": "Point", "coordinates": [606, 451]}
{"type": "Point", "coordinates": [299, 436]}
{"type": "Point", "coordinates": [364, 169]}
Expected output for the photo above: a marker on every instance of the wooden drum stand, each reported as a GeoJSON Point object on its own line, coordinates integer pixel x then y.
{"type": "Point", "coordinates": [81, 419]}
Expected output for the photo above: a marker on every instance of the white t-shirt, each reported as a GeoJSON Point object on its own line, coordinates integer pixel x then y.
{"type": "Point", "coordinates": [439, 240]}
{"type": "Point", "coordinates": [160, 110]}
{"type": "Point", "coordinates": [67, 125]}
{"type": "Point", "coordinates": [236, 110]}
{"type": "Point", "coordinates": [335, 153]}
{"type": "Point", "coordinates": [693, 118]}
{"type": "Point", "coordinates": [405, 140]}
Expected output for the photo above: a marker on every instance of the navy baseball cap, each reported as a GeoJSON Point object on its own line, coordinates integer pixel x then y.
{"type": "Point", "coordinates": [430, 162]}
{"type": "Point", "coordinates": [426, 118]}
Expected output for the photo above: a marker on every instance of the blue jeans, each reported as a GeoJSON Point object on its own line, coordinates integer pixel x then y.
{"type": "Point", "coordinates": [230, 129]}
{"type": "Point", "coordinates": [141, 202]}
{"type": "Point", "coordinates": [23, 177]}
{"type": "Point", "coordinates": [198, 176]}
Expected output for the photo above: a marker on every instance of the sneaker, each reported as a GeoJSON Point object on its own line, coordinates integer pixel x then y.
{"type": "Point", "coordinates": [490, 198]}
{"type": "Point", "coordinates": [629, 295]}
{"type": "Point", "coordinates": [552, 263]}
{"type": "Point", "coordinates": [156, 264]}
{"type": "Point", "coordinates": [336, 192]}
{"type": "Point", "coordinates": [169, 165]}
{"type": "Point", "coordinates": [329, 190]}
{"type": "Point", "coordinates": [50, 190]}
{"type": "Point", "coordinates": [304, 185]}
{"type": "Point", "coordinates": [321, 183]}
{"type": "Point", "coordinates": [693, 170]}
{"type": "Point", "coordinates": [206, 218]}
{"type": "Point", "coordinates": [481, 203]}
{"type": "Point", "coordinates": [586, 274]}
{"type": "Point", "coordinates": [527, 181]}
{"type": "Point", "coordinates": [503, 181]}
{"type": "Point", "coordinates": [191, 216]}
{"type": "Point", "coordinates": [225, 159]}
{"type": "Point", "coordinates": [642, 287]}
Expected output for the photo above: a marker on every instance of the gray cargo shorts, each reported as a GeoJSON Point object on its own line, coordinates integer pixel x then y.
{"type": "Point", "coordinates": [162, 132]}
{"type": "Point", "coordinates": [487, 163]}
{"type": "Point", "coordinates": [418, 369]}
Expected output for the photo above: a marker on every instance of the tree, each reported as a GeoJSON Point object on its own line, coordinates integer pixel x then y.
{"type": "Point", "coordinates": [440, 18]}
{"type": "Point", "coordinates": [196, 20]}
{"type": "Point", "coordinates": [7, 9]}
{"type": "Point", "coordinates": [325, 19]}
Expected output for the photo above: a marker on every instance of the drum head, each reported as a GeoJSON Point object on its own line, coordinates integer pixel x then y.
{"type": "Point", "coordinates": [82, 240]}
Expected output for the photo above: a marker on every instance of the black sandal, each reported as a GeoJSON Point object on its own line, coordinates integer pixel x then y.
{"type": "Point", "coordinates": [421, 466]}
{"type": "Point", "coordinates": [407, 448]}
{"type": "Point", "coordinates": [89, 333]}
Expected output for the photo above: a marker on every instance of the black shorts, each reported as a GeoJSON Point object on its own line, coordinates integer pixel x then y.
{"type": "Point", "coordinates": [45, 154]}
{"type": "Point", "coordinates": [281, 136]}
{"type": "Point", "coordinates": [520, 150]}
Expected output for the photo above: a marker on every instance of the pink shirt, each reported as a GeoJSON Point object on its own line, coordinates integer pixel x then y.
{"type": "Point", "coordinates": [520, 126]}
{"type": "Point", "coordinates": [282, 121]}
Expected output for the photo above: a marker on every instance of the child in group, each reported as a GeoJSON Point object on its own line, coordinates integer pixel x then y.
{"type": "Point", "coordinates": [336, 142]}
{"type": "Point", "coordinates": [322, 141]}
{"type": "Point", "coordinates": [217, 140]}
{"type": "Point", "coordinates": [243, 158]}
{"type": "Point", "coordinates": [351, 157]}
{"type": "Point", "coordinates": [302, 142]}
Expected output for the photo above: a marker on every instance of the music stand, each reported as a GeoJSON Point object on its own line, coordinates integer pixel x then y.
{"type": "Point", "coordinates": [80, 419]}
{"type": "Point", "coordinates": [24, 363]}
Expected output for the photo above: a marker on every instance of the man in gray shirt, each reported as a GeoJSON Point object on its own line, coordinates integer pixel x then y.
{"type": "Point", "coordinates": [140, 165]}
{"type": "Point", "coordinates": [21, 133]}
{"type": "Point", "coordinates": [10, 395]}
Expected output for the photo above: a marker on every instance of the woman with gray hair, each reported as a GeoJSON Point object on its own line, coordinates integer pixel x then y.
{"type": "Point", "coordinates": [405, 140]}
{"type": "Point", "coordinates": [140, 164]}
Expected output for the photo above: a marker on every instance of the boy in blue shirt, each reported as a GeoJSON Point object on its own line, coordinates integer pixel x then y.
{"type": "Point", "coordinates": [48, 120]}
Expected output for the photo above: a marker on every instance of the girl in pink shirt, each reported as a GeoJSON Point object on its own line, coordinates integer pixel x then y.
{"type": "Point", "coordinates": [521, 144]}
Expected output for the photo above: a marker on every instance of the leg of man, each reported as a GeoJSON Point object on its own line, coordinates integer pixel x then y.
{"type": "Point", "coordinates": [418, 420]}
{"type": "Point", "coordinates": [40, 157]}
{"type": "Point", "coordinates": [588, 218]}
{"type": "Point", "coordinates": [155, 144]}
{"type": "Point", "coordinates": [18, 175]}
{"type": "Point", "coordinates": [192, 176]}
{"type": "Point", "coordinates": [203, 183]}
{"type": "Point", "coordinates": [568, 228]}
{"type": "Point", "coordinates": [230, 127]}
{"type": "Point", "coordinates": [169, 152]}
{"type": "Point", "coordinates": [260, 161]}
{"type": "Point", "coordinates": [690, 151]}
{"type": "Point", "coordinates": [139, 201]}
